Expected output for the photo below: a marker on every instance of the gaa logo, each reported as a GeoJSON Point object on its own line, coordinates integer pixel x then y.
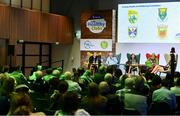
{"type": "Point", "coordinates": [104, 44]}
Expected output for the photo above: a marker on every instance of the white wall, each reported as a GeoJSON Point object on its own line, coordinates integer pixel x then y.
{"type": "Point", "coordinates": [147, 48]}
{"type": "Point", "coordinates": [69, 53]}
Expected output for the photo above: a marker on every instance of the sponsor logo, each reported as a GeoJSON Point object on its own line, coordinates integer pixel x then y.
{"type": "Point", "coordinates": [162, 12]}
{"type": "Point", "coordinates": [88, 44]}
{"type": "Point", "coordinates": [132, 32]}
{"type": "Point", "coordinates": [96, 24]}
{"type": "Point", "coordinates": [132, 16]}
{"type": "Point", "coordinates": [104, 44]}
{"type": "Point", "coordinates": [177, 36]}
{"type": "Point", "coordinates": [162, 31]}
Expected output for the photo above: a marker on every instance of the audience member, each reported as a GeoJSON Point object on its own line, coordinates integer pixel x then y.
{"type": "Point", "coordinates": [6, 89]}
{"type": "Point", "coordinates": [48, 75]}
{"type": "Point", "coordinates": [69, 104]}
{"type": "Point", "coordinates": [176, 88]}
{"type": "Point", "coordinates": [94, 102]}
{"type": "Point", "coordinates": [57, 97]}
{"type": "Point", "coordinates": [72, 86]}
{"type": "Point", "coordinates": [21, 105]}
{"type": "Point", "coordinates": [99, 75]}
{"type": "Point", "coordinates": [139, 102]}
{"type": "Point", "coordinates": [163, 94]}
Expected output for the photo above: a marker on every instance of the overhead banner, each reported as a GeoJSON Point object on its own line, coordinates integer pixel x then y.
{"type": "Point", "coordinates": [96, 44]}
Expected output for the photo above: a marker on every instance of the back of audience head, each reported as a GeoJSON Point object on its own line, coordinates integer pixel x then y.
{"type": "Point", "coordinates": [70, 103]}
{"type": "Point", "coordinates": [156, 80]}
{"type": "Point", "coordinates": [93, 90]}
{"type": "Point", "coordinates": [129, 83]}
{"type": "Point", "coordinates": [56, 73]}
{"type": "Point", "coordinates": [109, 69]}
{"type": "Point", "coordinates": [20, 104]}
{"type": "Point", "coordinates": [139, 83]}
{"type": "Point", "coordinates": [108, 78]}
{"type": "Point", "coordinates": [67, 75]}
{"type": "Point", "coordinates": [118, 73]}
{"type": "Point", "coordinates": [62, 86]}
{"type": "Point", "coordinates": [101, 69]}
{"type": "Point", "coordinates": [80, 71]}
{"type": "Point", "coordinates": [39, 74]}
{"type": "Point", "coordinates": [104, 87]}
{"type": "Point", "coordinates": [7, 86]}
{"type": "Point", "coordinates": [165, 83]}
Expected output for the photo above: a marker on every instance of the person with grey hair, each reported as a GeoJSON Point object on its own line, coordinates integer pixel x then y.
{"type": "Point", "coordinates": [111, 60]}
{"type": "Point", "coordinates": [104, 88]}
{"type": "Point", "coordinates": [109, 79]}
{"type": "Point", "coordinates": [72, 86]}
{"type": "Point", "coordinates": [128, 86]}
{"type": "Point", "coordinates": [36, 75]}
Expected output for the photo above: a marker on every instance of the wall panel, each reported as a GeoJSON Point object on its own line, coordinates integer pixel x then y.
{"type": "Point", "coordinates": [31, 25]}
{"type": "Point", "coordinates": [44, 27]}
{"type": "Point", "coordinates": [65, 32]}
{"type": "Point", "coordinates": [4, 21]}
{"type": "Point", "coordinates": [34, 26]}
{"type": "Point", "coordinates": [53, 27]}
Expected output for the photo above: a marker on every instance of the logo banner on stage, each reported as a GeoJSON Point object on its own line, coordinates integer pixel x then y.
{"type": "Point", "coordinates": [96, 44]}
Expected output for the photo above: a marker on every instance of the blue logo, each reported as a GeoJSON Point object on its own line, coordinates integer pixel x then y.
{"type": "Point", "coordinates": [88, 44]}
{"type": "Point", "coordinates": [132, 31]}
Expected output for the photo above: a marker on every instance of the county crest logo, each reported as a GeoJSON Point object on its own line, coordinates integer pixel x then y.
{"type": "Point", "coordinates": [132, 16]}
{"type": "Point", "coordinates": [132, 32]}
{"type": "Point", "coordinates": [162, 12]}
{"type": "Point", "coordinates": [162, 31]}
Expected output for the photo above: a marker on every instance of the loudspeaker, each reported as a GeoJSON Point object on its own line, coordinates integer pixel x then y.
{"type": "Point", "coordinates": [11, 50]}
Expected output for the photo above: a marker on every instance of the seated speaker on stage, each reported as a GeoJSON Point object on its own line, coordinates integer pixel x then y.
{"type": "Point", "coordinates": [132, 63]}
{"type": "Point", "coordinates": [171, 63]}
{"type": "Point", "coordinates": [152, 60]}
{"type": "Point", "coordinates": [94, 61]}
{"type": "Point", "coordinates": [111, 60]}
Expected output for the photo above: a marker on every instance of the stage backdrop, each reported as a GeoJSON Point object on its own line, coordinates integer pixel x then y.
{"type": "Point", "coordinates": [142, 48]}
{"type": "Point", "coordinates": [97, 34]}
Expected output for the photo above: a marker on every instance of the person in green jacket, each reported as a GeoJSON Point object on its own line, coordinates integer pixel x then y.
{"type": "Point", "coordinates": [152, 61]}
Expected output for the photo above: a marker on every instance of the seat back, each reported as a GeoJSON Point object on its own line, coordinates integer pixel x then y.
{"type": "Point", "coordinates": [160, 108]}
{"type": "Point", "coordinates": [137, 57]}
{"type": "Point", "coordinates": [118, 56]}
{"type": "Point", "coordinates": [148, 55]}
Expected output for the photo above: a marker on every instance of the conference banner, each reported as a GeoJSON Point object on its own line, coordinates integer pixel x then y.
{"type": "Point", "coordinates": [96, 44]}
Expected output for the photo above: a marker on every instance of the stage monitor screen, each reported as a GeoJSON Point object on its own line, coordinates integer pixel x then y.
{"type": "Point", "coordinates": [149, 22]}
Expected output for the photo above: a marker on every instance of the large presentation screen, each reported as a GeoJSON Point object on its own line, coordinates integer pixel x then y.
{"type": "Point", "coordinates": [149, 22]}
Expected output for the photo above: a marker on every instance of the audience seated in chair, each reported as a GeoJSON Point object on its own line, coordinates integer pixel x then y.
{"type": "Point", "coordinates": [132, 63]}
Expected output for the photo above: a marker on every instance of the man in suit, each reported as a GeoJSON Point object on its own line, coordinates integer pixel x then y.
{"type": "Point", "coordinates": [94, 61]}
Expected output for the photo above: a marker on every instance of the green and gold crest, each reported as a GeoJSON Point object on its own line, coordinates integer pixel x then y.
{"type": "Point", "coordinates": [162, 13]}
{"type": "Point", "coordinates": [162, 31]}
{"type": "Point", "coordinates": [132, 16]}
{"type": "Point", "coordinates": [104, 44]}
